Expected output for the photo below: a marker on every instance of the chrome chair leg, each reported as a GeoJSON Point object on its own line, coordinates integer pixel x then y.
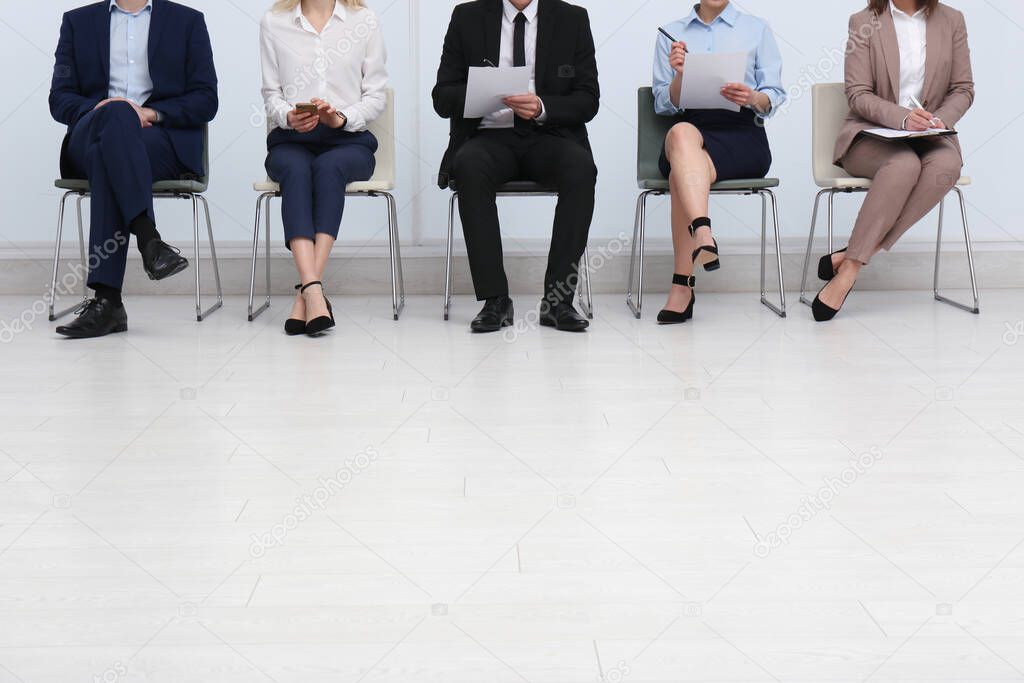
{"type": "Point", "coordinates": [584, 291]}
{"type": "Point", "coordinates": [976, 308]}
{"type": "Point", "coordinates": [395, 257]}
{"type": "Point", "coordinates": [82, 271]}
{"type": "Point", "coordinates": [254, 313]}
{"type": "Point", "coordinates": [810, 245]}
{"type": "Point", "coordinates": [448, 256]}
{"type": "Point", "coordinates": [198, 256]}
{"type": "Point", "coordinates": [635, 300]}
{"type": "Point", "coordinates": [203, 315]}
{"type": "Point", "coordinates": [779, 310]}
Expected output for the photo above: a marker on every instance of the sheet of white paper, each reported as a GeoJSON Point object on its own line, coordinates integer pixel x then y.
{"type": "Point", "coordinates": [893, 134]}
{"type": "Point", "coordinates": [704, 76]}
{"type": "Point", "coordinates": [487, 87]}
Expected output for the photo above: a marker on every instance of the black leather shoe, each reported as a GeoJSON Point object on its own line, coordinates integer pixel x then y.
{"type": "Point", "coordinates": [161, 260]}
{"type": "Point", "coordinates": [496, 314]}
{"type": "Point", "coordinates": [96, 318]}
{"type": "Point", "coordinates": [826, 271]}
{"type": "Point", "coordinates": [562, 317]}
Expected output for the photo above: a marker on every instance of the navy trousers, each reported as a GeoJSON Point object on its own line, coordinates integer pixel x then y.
{"type": "Point", "coordinates": [121, 161]}
{"type": "Point", "coordinates": [313, 169]}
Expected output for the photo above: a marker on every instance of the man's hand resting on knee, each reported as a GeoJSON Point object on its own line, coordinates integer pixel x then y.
{"type": "Point", "coordinates": [147, 117]}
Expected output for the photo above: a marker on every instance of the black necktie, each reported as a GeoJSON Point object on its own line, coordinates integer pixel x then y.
{"type": "Point", "coordinates": [519, 59]}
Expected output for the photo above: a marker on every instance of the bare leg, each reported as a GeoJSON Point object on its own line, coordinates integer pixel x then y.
{"type": "Point", "coordinates": [324, 245]}
{"type": "Point", "coordinates": [691, 179]}
{"type": "Point", "coordinates": [312, 300]}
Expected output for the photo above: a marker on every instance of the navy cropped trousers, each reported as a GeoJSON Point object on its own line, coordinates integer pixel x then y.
{"type": "Point", "coordinates": [313, 170]}
{"type": "Point", "coordinates": [121, 161]}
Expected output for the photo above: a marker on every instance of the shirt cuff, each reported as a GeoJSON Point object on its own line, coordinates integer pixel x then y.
{"type": "Point", "coordinates": [159, 115]}
{"type": "Point", "coordinates": [543, 116]}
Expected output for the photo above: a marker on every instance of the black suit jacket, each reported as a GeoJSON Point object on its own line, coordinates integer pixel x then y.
{"type": "Point", "coordinates": [566, 67]}
{"type": "Point", "coordinates": [180, 64]}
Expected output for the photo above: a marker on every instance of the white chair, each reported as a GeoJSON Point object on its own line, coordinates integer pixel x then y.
{"type": "Point", "coordinates": [830, 111]}
{"type": "Point", "coordinates": [380, 185]}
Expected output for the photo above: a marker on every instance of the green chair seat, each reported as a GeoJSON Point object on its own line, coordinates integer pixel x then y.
{"type": "Point", "coordinates": [171, 186]}
{"type": "Point", "coordinates": [725, 186]}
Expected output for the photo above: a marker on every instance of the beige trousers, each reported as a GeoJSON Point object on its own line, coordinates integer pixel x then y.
{"type": "Point", "coordinates": [910, 179]}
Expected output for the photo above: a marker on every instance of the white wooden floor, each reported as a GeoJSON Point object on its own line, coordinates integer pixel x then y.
{"type": "Point", "coordinates": [410, 503]}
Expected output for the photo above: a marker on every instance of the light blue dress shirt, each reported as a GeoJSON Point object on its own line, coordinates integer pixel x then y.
{"type": "Point", "coordinates": [129, 53]}
{"type": "Point", "coordinates": [731, 31]}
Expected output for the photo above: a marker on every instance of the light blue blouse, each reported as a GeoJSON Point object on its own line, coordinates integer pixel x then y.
{"type": "Point", "coordinates": [731, 31]}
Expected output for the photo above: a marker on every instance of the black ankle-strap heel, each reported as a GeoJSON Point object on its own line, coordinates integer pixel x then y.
{"type": "Point", "coordinates": [705, 256]}
{"type": "Point", "coordinates": [667, 317]}
{"type": "Point", "coordinates": [321, 324]}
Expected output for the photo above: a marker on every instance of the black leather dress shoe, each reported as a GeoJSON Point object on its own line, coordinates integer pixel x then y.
{"type": "Point", "coordinates": [497, 313]}
{"type": "Point", "coordinates": [562, 317]}
{"type": "Point", "coordinates": [96, 318]}
{"type": "Point", "coordinates": [161, 260]}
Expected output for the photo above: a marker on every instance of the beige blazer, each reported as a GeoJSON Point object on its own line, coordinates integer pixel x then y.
{"type": "Point", "coordinates": [873, 73]}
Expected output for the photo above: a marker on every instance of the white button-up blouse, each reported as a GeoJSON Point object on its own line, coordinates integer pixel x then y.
{"type": "Point", "coordinates": [344, 65]}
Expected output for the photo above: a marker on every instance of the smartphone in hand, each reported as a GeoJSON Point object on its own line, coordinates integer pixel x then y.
{"type": "Point", "coordinates": [307, 108]}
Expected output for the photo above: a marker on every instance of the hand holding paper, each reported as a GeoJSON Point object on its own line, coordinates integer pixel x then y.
{"type": "Point", "coordinates": [488, 87]}
{"type": "Point", "coordinates": [705, 76]}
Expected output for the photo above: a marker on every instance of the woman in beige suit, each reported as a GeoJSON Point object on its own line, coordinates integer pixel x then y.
{"type": "Point", "coordinates": [901, 54]}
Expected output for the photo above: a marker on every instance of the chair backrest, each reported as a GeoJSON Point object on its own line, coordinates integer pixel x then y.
{"type": "Point", "coordinates": [651, 131]}
{"type": "Point", "coordinates": [383, 129]}
{"type": "Point", "coordinates": [830, 108]}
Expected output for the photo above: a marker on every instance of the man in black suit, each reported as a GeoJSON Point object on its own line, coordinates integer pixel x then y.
{"type": "Point", "coordinates": [541, 137]}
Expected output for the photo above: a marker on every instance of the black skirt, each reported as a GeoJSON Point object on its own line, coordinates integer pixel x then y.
{"type": "Point", "coordinates": [735, 141]}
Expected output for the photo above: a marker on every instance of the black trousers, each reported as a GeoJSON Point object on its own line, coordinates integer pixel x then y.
{"type": "Point", "coordinates": [495, 157]}
{"type": "Point", "coordinates": [121, 160]}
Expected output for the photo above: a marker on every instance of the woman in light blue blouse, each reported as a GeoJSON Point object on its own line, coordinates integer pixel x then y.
{"type": "Point", "coordinates": [711, 145]}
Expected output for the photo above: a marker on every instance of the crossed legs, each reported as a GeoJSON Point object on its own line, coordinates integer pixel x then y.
{"type": "Point", "coordinates": [910, 179]}
{"type": "Point", "coordinates": [693, 174]}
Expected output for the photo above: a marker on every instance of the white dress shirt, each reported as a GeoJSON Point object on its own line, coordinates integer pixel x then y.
{"type": "Point", "coordinates": [506, 118]}
{"type": "Point", "coordinates": [912, 35]}
{"type": "Point", "coordinates": [344, 65]}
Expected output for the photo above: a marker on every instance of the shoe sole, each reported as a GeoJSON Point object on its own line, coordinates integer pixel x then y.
{"type": "Point", "coordinates": [117, 330]}
{"type": "Point", "coordinates": [504, 323]}
{"type": "Point", "coordinates": [180, 269]}
{"type": "Point", "coordinates": [544, 323]}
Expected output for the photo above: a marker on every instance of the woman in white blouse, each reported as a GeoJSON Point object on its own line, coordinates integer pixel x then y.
{"type": "Point", "coordinates": [330, 54]}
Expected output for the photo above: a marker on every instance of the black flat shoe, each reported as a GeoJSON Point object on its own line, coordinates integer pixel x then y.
{"type": "Point", "coordinates": [826, 271]}
{"type": "Point", "coordinates": [496, 314]}
{"type": "Point", "coordinates": [317, 326]}
{"type": "Point", "coordinates": [160, 260]}
{"type": "Point", "coordinates": [667, 317]}
{"type": "Point", "coordinates": [294, 327]}
{"type": "Point", "coordinates": [97, 318]}
{"type": "Point", "coordinates": [705, 256]}
{"type": "Point", "coordinates": [563, 317]}
{"type": "Point", "coordinates": [823, 312]}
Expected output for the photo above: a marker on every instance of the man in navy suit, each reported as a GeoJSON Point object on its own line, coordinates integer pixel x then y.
{"type": "Point", "coordinates": [135, 84]}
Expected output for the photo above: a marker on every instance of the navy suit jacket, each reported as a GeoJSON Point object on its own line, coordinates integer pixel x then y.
{"type": "Point", "coordinates": [180, 64]}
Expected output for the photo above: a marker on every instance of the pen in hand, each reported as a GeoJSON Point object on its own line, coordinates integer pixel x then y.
{"type": "Point", "coordinates": [918, 104]}
{"type": "Point", "coordinates": [669, 36]}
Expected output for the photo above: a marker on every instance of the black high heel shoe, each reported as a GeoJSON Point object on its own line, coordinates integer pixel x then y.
{"type": "Point", "coordinates": [321, 324]}
{"type": "Point", "coordinates": [705, 256]}
{"type": "Point", "coordinates": [667, 317]}
{"type": "Point", "coordinates": [292, 326]}
{"type": "Point", "coordinates": [823, 312]}
{"type": "Point", "coordinates": [826, 271]}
